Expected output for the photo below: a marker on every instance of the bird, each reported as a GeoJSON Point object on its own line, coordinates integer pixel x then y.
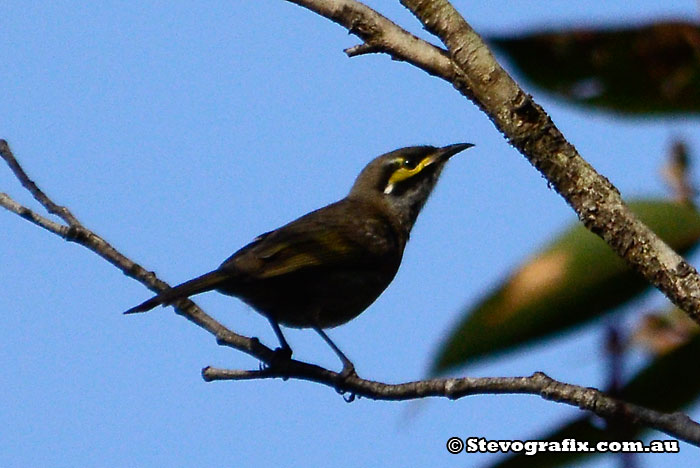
{"type": "Point", "coordinates": [328, 266]}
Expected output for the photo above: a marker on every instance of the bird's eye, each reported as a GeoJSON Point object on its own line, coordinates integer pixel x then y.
{"type": "Point", "coordinates": [408, 164]}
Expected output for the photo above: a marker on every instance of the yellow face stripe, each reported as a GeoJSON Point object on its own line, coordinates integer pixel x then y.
{"type": "Point", "coordinates": [403, 173]}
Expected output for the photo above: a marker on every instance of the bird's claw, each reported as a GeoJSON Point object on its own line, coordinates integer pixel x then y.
{"type": "Point", "coordinates": [348, 372]}
{"type": "Point", "coordinates": [281, 355]}
{"type": "Point", "coordinates": [280, 358]}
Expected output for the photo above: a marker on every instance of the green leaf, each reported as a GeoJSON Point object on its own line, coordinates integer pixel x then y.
{"type": "Point", "coordinates": [577, 278]}
{"type": "Point", "coordinates": [668, 384]}
{"type": "Point", "coordinates": [648, 69]}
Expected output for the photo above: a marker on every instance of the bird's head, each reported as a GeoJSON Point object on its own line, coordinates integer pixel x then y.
{"type": "Point", "coordinates": [402, 180]}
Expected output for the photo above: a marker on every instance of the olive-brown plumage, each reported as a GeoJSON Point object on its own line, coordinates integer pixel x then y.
{"type": "Point", "coordinates": [328, 266]}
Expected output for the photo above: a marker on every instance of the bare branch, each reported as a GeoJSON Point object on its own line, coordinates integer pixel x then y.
{"type": "Point", "coordinates": [75, 231]}
{"type": "Point", "coordinates": [677, 424]}
{"type": "Point", "coordinates": [29, 184]}
{"type": "Point", "coordinates": [474, 72]}
{"type": "Point", "coordinates": [381, 35]}
{"type": "Point", "coordinates": [8, 203]}
{"type": "Point", "coordinates": [596, 201]}
{"type": "Point", "coordinates": [78, 233]}
{"type": "Point", "coordinates": [362, 49]}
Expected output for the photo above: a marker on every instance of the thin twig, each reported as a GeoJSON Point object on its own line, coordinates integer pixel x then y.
{"type": "Point", "coordinates": [61, 211]}
{"type": "Point", "coordinates": [362, 49]}
{"type": "Point", "coordinates": [8, 203]}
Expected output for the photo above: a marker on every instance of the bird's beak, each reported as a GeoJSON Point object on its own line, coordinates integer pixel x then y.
{"type": "Point", "coordinates": [447, 152]}
{"type": "Point", "coordinates": [443, 154]}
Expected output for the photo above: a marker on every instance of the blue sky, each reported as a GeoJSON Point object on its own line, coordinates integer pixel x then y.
{"type": "Point", "coordinates": [179, 132]}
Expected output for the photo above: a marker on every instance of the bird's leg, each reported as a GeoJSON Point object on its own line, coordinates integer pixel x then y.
{"type": "Point", "coordinates": [348, 366]}
{"type": "Point", "coordinates": [284, 352]}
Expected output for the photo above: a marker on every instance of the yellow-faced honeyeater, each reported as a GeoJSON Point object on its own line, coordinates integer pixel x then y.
{"type": "Point", "coordinates": [328, 266]}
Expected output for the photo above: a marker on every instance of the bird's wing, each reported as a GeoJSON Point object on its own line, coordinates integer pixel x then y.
{"type": "Point", "coordinates": [316, 242]}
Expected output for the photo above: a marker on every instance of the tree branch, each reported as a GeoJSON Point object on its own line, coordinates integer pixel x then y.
{"type": "Point", "coordinates": [471, 68]}
{"type": "Point", "coordinates": [677, 425]}
{"type": "Point", "coordinates": [379, 34]}
{"type": "Point", "coordinates": [9, 204]}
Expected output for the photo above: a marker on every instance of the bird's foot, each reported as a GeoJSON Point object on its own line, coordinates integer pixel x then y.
{"type": "Point", "coordinates": [348, 372]}
{"type": "Point", "coordinates": [280, 357]}
{"type": "Point", "coordinates": [278, 363]}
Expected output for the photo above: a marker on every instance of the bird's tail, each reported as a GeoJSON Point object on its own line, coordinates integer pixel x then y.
{"type": "Point", "coordinates": [203, 283]}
